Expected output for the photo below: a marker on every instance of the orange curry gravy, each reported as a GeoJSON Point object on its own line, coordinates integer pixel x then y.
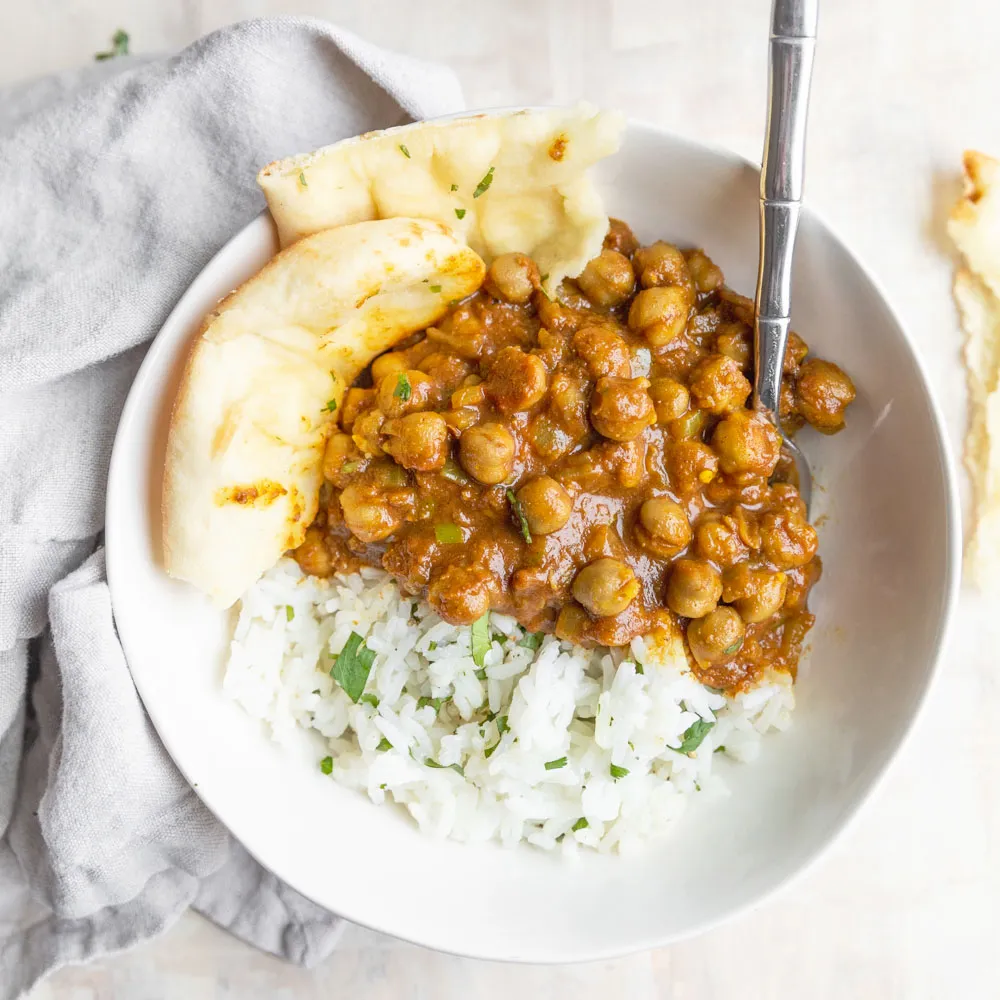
{"type": "Point", "coordinates": [588, 465]}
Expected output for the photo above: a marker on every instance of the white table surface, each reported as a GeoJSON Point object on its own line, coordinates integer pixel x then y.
{"type": "Point", "coordinates": [907, 904]}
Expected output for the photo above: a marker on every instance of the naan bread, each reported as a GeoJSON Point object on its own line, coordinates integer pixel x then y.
{"type": "Point", "coordinates": [514, 182]}
{"type": "Point", "coordinates": [265, 376]}
{"type": "Point", "coordinates": [974, 226]}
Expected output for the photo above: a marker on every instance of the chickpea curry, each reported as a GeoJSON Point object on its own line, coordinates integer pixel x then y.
{"type": "Point", "coordinates": [587, 464]}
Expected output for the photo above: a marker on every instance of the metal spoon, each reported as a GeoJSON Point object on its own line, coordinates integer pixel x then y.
{"type": "Point", "coordinates": [793, 39]}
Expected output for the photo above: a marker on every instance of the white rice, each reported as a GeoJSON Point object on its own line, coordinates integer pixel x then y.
{"type": "Point", "coordinates": [607, 723]}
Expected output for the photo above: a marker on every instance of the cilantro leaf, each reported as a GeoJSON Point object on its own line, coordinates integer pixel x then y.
{"type": "Point", "coordinates": [454, 187]}
{"type": "Point", "coordinates": [532, 640]}
{"type": "Point", "coordinates": [326, 765]}
{"type": "Point", "coordinates": [618, 772]}
{"type": "Point", "coordinates": [480, 639]}
{"type": "Point", "coordinates": [404, 151]}
{"type": "Point", "coordinates": [435, 288]}
{"type": "Point", "coordinates": [435, 703]}
{"type": "Point", "coordinates": [483, 186]}
{"type": "Point", "coordinates": [352, 667]}
{"type": "Point", "coordinates": [302, 179]}
{"type": "Point", "coordinates": [403, 388]}
{"type": "Point", "coordinates": [119, 46]}
{"type": "Point", "coordinates": [384, 744]}
{"type": "Point", "coordinates": [369, 699]}
{"type": "Point", "coordinates": [554, 765]}
{"type": "Point", "coordinates": [331, 405]}
{"type": "Point", "coordinates": [459, 213]}
{"type": "Point", "coordinates": [289, 612]}
{"type": "Point", "coordinates": [693, 736]}
{"type": "Point", "coordinates": [580, 824]}
{"type": "Point", "coordinates": [457, 768]}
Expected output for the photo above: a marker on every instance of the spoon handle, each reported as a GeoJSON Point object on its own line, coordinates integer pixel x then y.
{"type": "Point", "coordinates": [793, 39]}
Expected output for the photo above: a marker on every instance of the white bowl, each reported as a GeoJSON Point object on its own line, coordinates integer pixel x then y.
{"type": "Point", "coordinates": [890, 547]}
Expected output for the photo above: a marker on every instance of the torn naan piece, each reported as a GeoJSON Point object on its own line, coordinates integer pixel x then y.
{"type": "Point", "coordinates": [974, 226]}
{"type": "Point", "coordinates": [265, 376]}
{"type": "Point", "coordinates": [508, 182]}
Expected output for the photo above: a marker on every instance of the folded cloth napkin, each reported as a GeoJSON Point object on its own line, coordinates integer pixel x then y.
{"type": "Point", "coordinates": [119, 183]}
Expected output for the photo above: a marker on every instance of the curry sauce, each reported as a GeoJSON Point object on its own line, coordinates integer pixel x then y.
{"type": "Point", "coordinates": [588, 465]}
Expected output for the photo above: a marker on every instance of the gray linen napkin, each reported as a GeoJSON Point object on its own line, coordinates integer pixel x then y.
{"type": "Point", "coordinates": [119, 182]}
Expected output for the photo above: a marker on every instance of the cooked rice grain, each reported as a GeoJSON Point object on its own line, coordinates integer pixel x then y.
{"type": "Point", "coordinates": [604, 712]}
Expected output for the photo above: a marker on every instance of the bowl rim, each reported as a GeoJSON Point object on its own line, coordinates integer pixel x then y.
{"type": "Point", "coordinates": [953, 551]}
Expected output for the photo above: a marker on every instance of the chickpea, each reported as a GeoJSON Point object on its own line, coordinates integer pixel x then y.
{"type": "Point", "coordinates": [788, 540]}
{"type": "Point", "coordinates": [462, 331]}
{"type": "Point", "coordinates": [716, 637]}
{"type": "Point", "coordinates": [747, 443]}
{"type": "Point", "coordinates": [312, 555]}
{"type": "Point", "coordinates": [620, 408]}
{"type": "Point", "coordinates": [620, 238]}
{"type": "Point", "coordinates": [355, 402]}
{"type": "Point", "coordinates": [461, 594]}
{"type": "Point", "coordinates": [486, 452]}
{"type": "Point", "coordinates": [512, 276]}
{"type": "Point", "coordinates": [446, 371]}
{"type": "Point", "coordinates": [604, 352]}
{"type": "Point", "coordinates": [717, 538]}
{"type": "Point", "coordinates": [545, 504]}
{"type": "Point", "coordinates": [757, 594]}
{"type": "Point", "coordinates": [367, 432]}
{"type": "Point", "coordinates": [824, 391]}
{"type": "Point", "coordinates": [608, 280]}
{"type": "Point", "coordinates": [516, 381]}
{"type": "Point", "coordinates": [707, 275]}
{"type": "Point", "coordinates": [390, 363]}
{"type": "Point", "coordinates": [691, 465]}
{"type": "Point", "coordinates": [605, 587]}
{"type": "Point", "coordinates": [368, 517]}
{"type": "Point", "coordinates": [734, 340]}
{"type": "Point", "coordinates": [339, 449]}
{"type": "Point", "coordinates": [404, 392]}
{"type": "Point", "coordinates": [418, 441]}
{"type": "Point", "coordinates": [660, 314]}
{"type": "Point", "coordinates": [795, 353]}
{"type": "Point", "coordinates": [670, 399]}
{"type": "Point", "coordinates": [661, 264]}
{"type": "Point", "coordinates": [694, 588]}
{"type": "Point", "coordinates": [663, 526]}
{"type": "Point", "coordinates": [718, 385]}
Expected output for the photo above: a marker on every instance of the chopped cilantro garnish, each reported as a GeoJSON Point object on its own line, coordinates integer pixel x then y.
{"type": "Point", "coordinates": [457, 768]}
{"type": "Point", "coordinates": [483, 186]}
{"type": "Point", "coordinates": [459, 213]}
{"type": "Point", "coordinates": [369, 699]}
{"type": "Point", "coordinates": [384, 744]}
{"type": "Point", "coordinates": [119, 46]}
{"type": "Point", "coordinates": [720, 749]}
{"type": "Point", "coordinates": [502, 726]}
{"type": "Point", "coordinates": [289, 612]}
{"type": "Point", "coordinates": [532, 640]}
{"type": "Point", "coordinates": [554, 765]}
{"type": "Point", "coordinates": [693, 736]}
{"type": "Point", "coordinates": [302, 179]}
{"type": "Point", "coordinates": [432, 645]}
{"type": "Point", "coordinates": [545, 277]}
{"type": "Point", "coordinates": [480, 639]}
{"type": "Point", "coordinates": [734, 648]}
{"type": "Point", "coordinates": [618, 772]}
{"type": "Point", "coordinates": [352, 667]}
{"type": "Point", "coordinates": [435, 288]}
{"type": "Point", "coordinates": [434, 703]}
{"type": "Point", "coordinates": [404, 151]}
{"type": "Point", "coordinates": [454, 187]}
{"type": "Point", "coordinates": [580, 824]}
{"type": "Point", "coordinates": [481, 674]}
{"type": "Point", "coordinates": [403, 388]}
{"type": "Point", "coordinates": [519, 519]}
{"type": "Point", "coordinates": [331, 405]}
{"type": "Point", "coordinates": [326, 765]}
{"type": "Point", "coordinates": [348, 467]}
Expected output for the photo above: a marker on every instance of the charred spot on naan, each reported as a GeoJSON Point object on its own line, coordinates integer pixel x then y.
{"type": "Point", "coordinates": [259, 494]}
